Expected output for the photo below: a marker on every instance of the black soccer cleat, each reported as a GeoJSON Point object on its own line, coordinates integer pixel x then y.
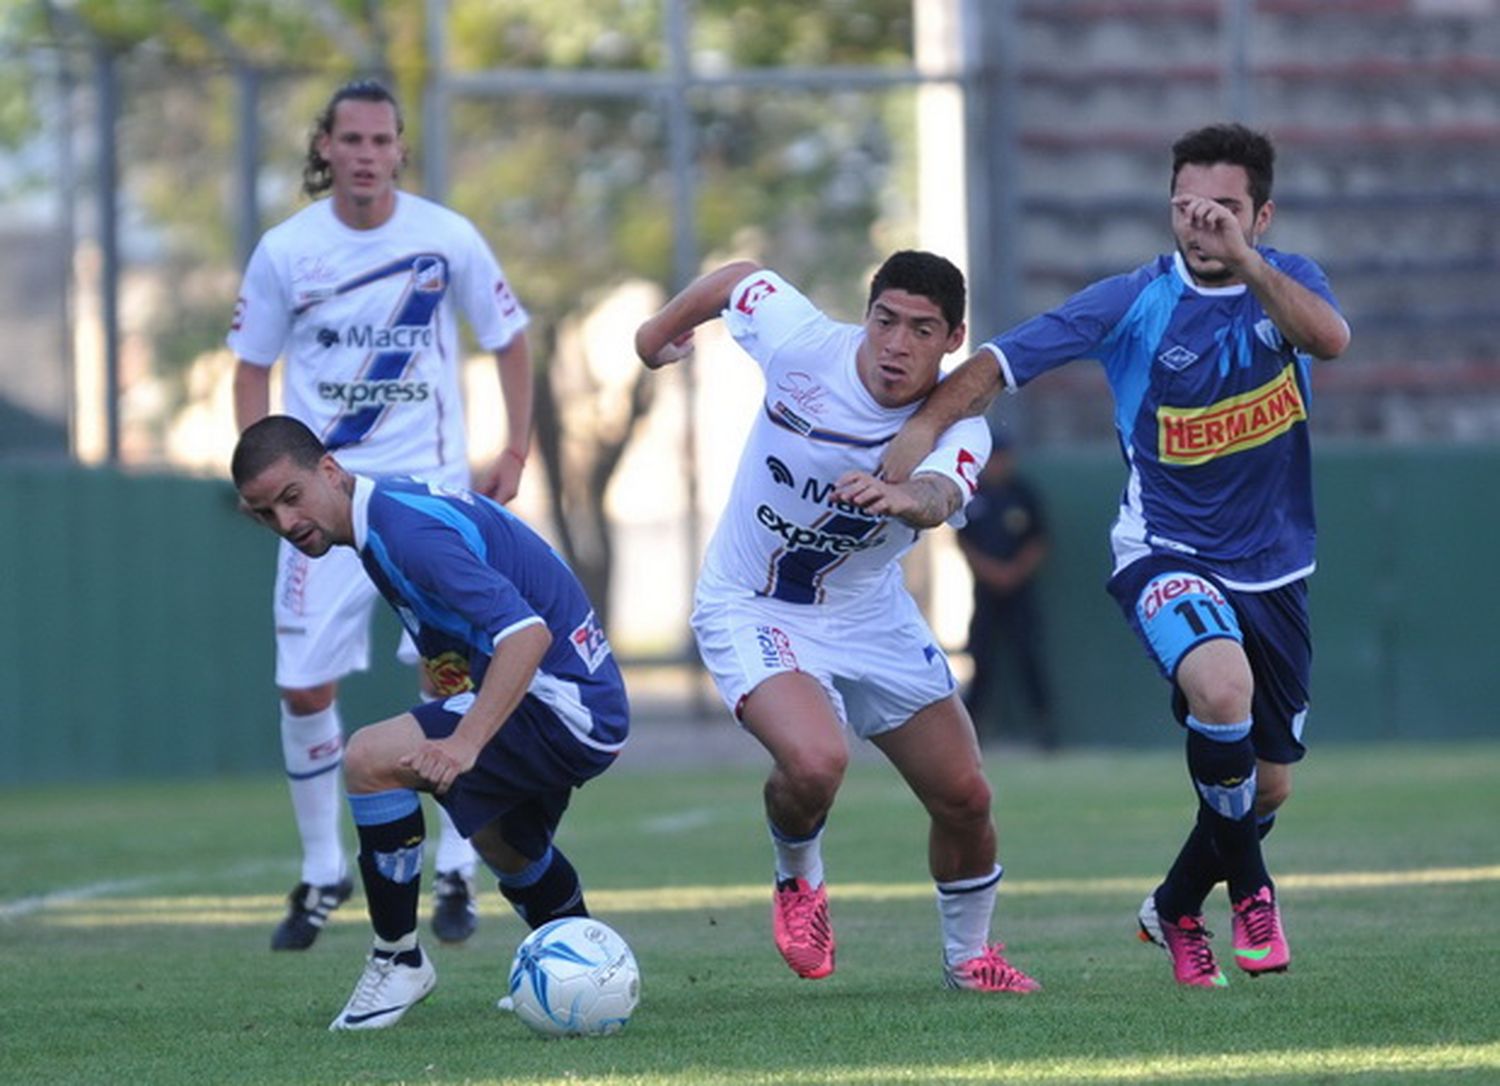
{"type": "Point", "coordinates": [455, 915]}
{"type": "Point", "coordinates": [308, 908]}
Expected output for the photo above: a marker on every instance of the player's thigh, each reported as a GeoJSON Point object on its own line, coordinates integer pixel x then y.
{"type": "Point", "coordinates": [373, 755]}
{"type": "Point", "coordinates": [937, 754]}
{"type": "Point", "coordinates": [322, 609]}
{"type": "Point", "coordinates": [746, 644]}
{"type": "Point", "coordinates": [790, 714]}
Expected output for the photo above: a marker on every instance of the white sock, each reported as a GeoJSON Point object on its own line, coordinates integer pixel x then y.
{"type": "Point", "coordinates": [454, 853]}
{"type": "Point", "coordinates": [799, 858]}
{"type": "Point", "coordinates": [313, 747]}
{"type": "Point", "coordinates": [964, 910]}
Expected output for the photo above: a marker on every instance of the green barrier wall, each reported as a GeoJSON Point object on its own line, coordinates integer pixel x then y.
{"type": "Point", "coordinates": [136, 635]}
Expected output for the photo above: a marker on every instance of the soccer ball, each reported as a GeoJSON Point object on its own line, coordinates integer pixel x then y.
{"type": "Point", "coordinates": [574, 977]}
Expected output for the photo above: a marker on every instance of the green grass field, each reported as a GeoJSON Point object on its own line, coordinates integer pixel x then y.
{"type": "Point", "coordinates": [134, 922]}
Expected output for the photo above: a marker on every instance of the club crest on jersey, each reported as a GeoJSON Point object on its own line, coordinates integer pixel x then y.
{"type": "Point", "coordinates": [753, 295]}
{"type": "Point", "coordinates": [429, 274]}
{"type": "Point", "coordinates": [775, 647]}
{"type": "Point", "coordinates": [448, 674]}
{"type": "Point", "coordinates": [589, 642]}
{"type": "Point", "coordinates": [1196, 435]}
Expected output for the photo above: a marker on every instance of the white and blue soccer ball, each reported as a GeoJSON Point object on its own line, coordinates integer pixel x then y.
{"type": "Point", "coordinates": [574, 977]}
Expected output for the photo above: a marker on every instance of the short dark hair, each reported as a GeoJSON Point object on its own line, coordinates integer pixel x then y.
{"type": "Point", "coordinates": [927, 274]}
{"type": "Point", "coordinates": [1234, 144]}
{"type": "Point", "coordinates": [266, 442]}
{"type": "Point", "coordinates": [317, 177]}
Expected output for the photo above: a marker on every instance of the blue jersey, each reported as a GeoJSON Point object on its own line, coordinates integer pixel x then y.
{"type": "Point", "coordinates": [1211, 407]}
{"type": "Point", "coordinates": [463, 573]}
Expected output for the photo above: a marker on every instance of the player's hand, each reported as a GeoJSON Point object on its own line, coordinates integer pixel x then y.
{"type": "Point", "coordinates": [502, 479]}
{"type": "Point", "coordinates": [674, 351]}
{"type": "Point", "coordinates": [907, 449]}
{"type": "Point", "coordinates": [873, 495]}
{"type": "Point", "coordinates": [1213, 229]}
{"type": "Point", "coordinates": [437, 763]}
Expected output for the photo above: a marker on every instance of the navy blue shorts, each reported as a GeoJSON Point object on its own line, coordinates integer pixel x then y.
{"type": "Point", "coordinates": [1173, 605]}
{"type": "Point", "coordinates": [524, 777]}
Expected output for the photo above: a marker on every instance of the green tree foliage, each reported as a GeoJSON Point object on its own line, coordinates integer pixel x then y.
{"type": "Point", "coordinates": [575, 193]}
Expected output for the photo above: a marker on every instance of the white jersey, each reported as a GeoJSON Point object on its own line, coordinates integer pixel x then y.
{"type": "Point", "coordinates": [366, 323]}
{"type": "Point", "coordinates": [783, 536]}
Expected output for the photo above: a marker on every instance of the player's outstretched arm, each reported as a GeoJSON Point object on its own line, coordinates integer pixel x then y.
{"type": "Point", "coordinates": [922, 502]}
{"type": "Point", "coordinates": [667, 336]}
{"type": "Point", "coordinates": [1304, 318]}
{"type": "Point", "coordinates": [964, 393]}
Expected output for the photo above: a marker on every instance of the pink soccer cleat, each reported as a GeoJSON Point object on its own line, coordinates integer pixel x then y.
{"type": "Point", "coordinates": [804, 935]}
{"type": "Point", "coordinates": [1186, 943]}
{"type": "Point", "coordinates": [988, 972]}
{"type": "Point", "coordinates": [1259, 945]}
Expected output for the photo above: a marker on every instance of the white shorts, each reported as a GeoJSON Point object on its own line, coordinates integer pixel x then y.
{"type": "Point", "coordinates": [879, 666]}
{"type": "Point", "coordinates": [323, 608]}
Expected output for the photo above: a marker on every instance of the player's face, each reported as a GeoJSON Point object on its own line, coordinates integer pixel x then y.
{"type": "Point", "coordinates": [364, 151]}
{"type": "Point", "coordinates": [906, 340]}
{"type": "Point", "coordinates": [308, 507]}
{"type": "Point", "coordinates": [1228, 186]}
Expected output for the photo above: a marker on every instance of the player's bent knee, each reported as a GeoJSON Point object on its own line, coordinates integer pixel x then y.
{"type": "Point", "coordinates": [306, 702]}
{"type": "Point", "coordinates": [1271, 794]}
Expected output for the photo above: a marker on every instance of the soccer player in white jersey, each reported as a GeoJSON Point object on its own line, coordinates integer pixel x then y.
{"type": "Point", "coordinates": [801, 615]}
{"type": "Point", "coordinates": [358, 293]}
{"type": "Point", "coordinates": [1208, 351]}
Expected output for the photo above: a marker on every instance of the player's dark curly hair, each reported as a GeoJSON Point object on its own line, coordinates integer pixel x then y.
{"type": "Point", "coordinates": [1234, 144]}
{"type": "Point", "coordinates": [926, 274]}
{"type": "Point", "coordinates": [317, 176]}
{"type": "Point", "coordinates": [265, 442]}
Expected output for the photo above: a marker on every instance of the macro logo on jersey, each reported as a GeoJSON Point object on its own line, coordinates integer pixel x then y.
{"type": "Point", "coordinates": [393, 348]}
{"type": "Point", "coordinates": [448, 674]}
{"type": "Point", "coordinates": [1196, 435]}
{"type": "Point", "coordinates": [1170, 586]}
{"type": "Point", "coordinates": [365, 393]}
{"type": "Point", "coordinates": [753, 295]}
{"type": "Point", "coordinates": [775, 648]}
{"type": "Point", "coordinates": [589, 642]}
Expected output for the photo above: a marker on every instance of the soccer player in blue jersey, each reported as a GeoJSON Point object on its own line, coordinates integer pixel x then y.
{"type": "Point", "coordinates": [532, 703]}
{"type": "Point", "coordinates": [1207, 351]}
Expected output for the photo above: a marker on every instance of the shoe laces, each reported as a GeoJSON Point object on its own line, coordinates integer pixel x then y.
{"type": "Point", "coordinates": [802, 913]}
{"type": "Point", "coordinates": [378, 970]}
{"type": "Point", "coordinates": [1192, 939]}
{"type": "Point", "coordinates": [991, 967]}
{"type": "Point", "coordinates": [1258, 914]}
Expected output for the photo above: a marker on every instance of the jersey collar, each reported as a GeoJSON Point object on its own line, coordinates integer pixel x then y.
{"type": "Point", "coordinates": [1187, 277]}
{"type": "Point", "coordinates": [364, 488]}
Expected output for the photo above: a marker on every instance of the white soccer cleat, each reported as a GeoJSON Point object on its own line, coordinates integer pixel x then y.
{"type": "Point", "coordinates": [386, 990]}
